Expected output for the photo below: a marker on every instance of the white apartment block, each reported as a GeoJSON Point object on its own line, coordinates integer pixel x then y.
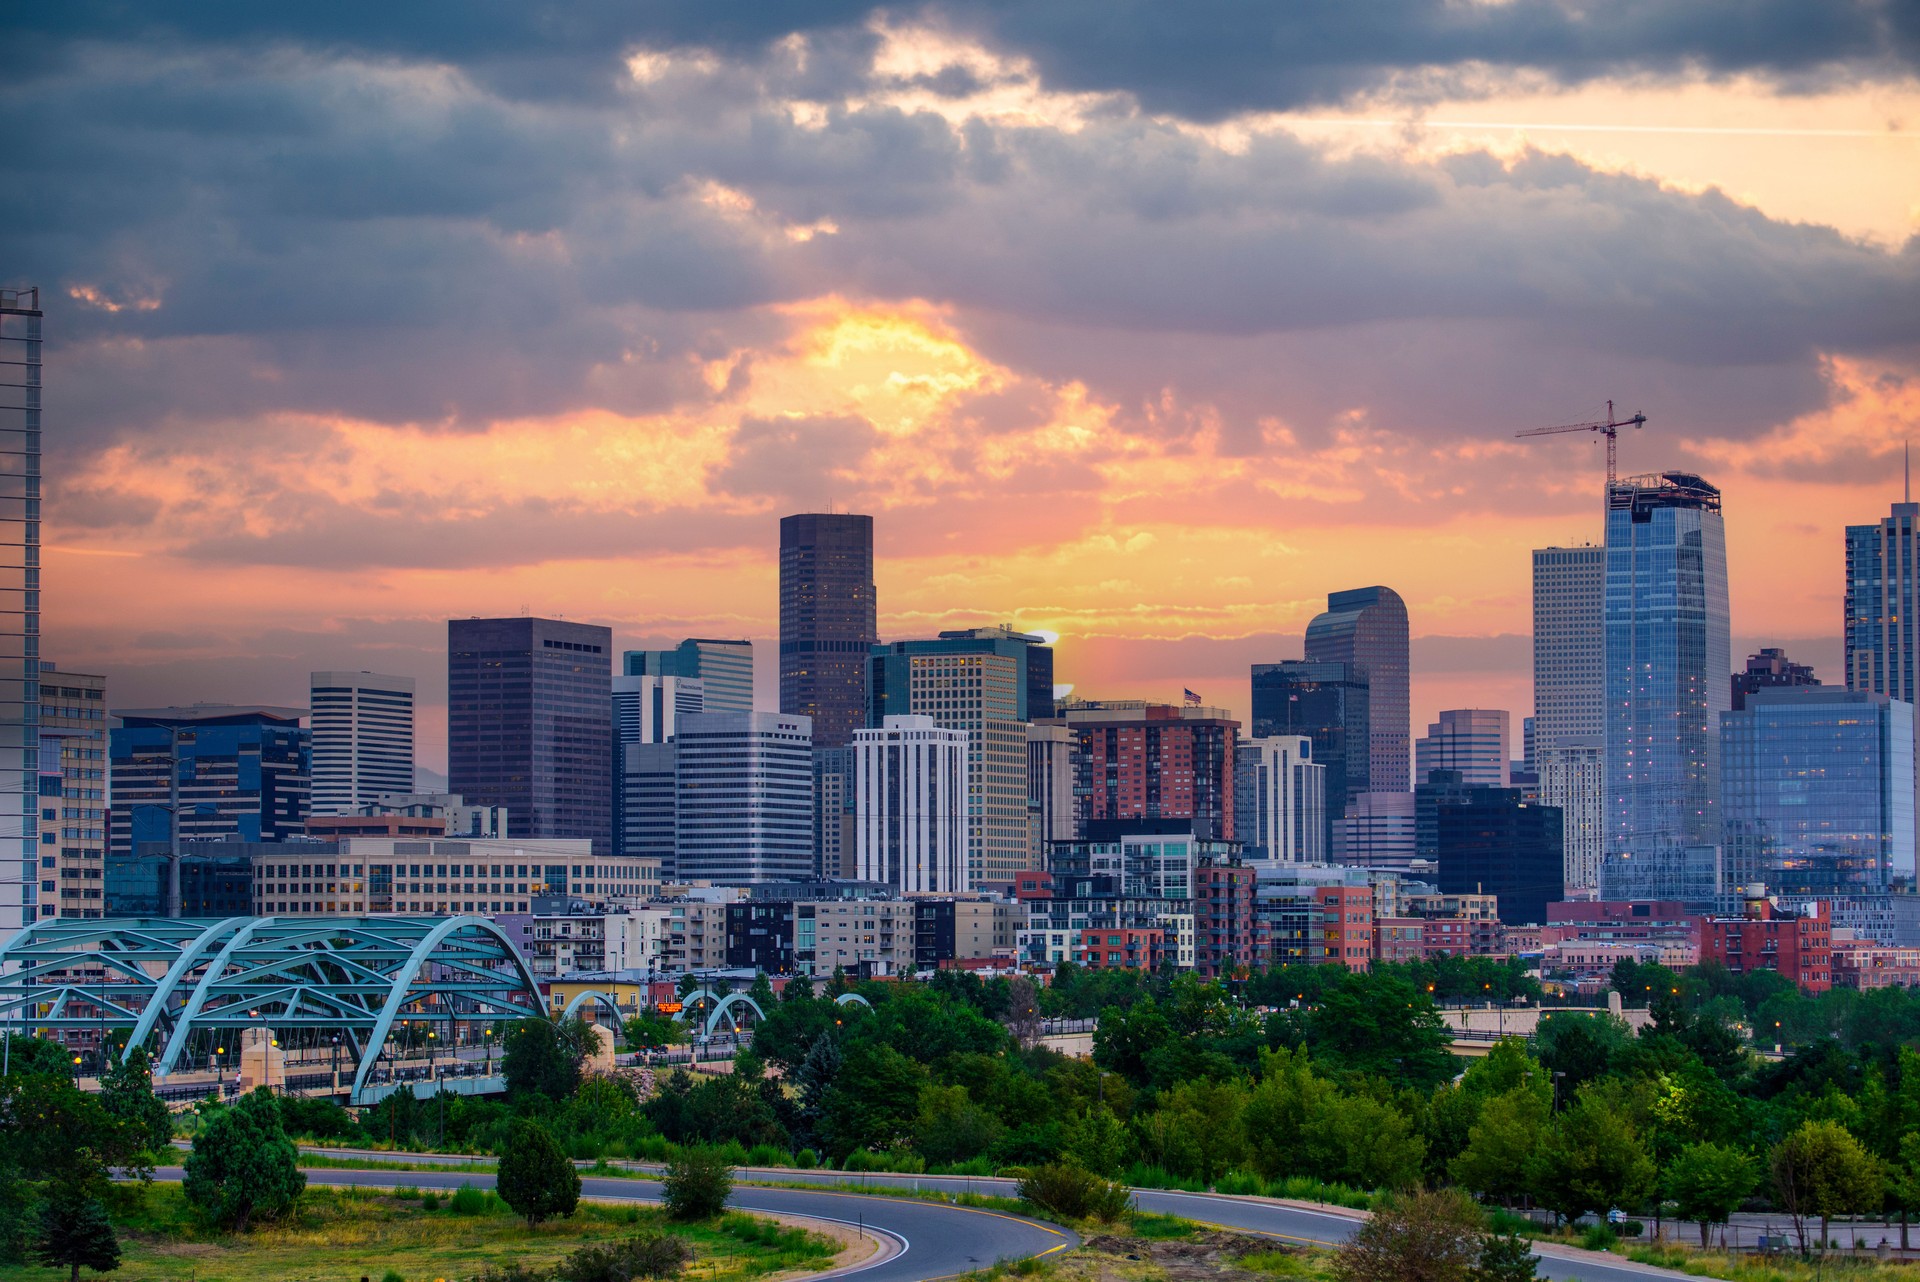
{"type": "Point", "coordinates": [910, 806]}
{"type": "Point", "coordinates": [1280, 799]}
{"type": "Point", "coordinates": [362, 724]}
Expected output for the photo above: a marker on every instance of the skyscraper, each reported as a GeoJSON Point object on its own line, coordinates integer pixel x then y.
{"type": "Point", "coordinates": [362, 725]}
{"type": "Point", "coordinates": [744, 797]}
{"type": "Point", "coordinates": [1569, 702]}
{"type": "Point", "coordinates": [1280, 800]}
{"type": "Point", "coordinates": [1490, 841]}
{"type": "Point", "coordinates": [1474, 741]}
{"type": "Point", "coordinates": [1668, 648]}
{"type": "Point", "coordinates": [1569, 646]}
{"type": "Point", "coordinates": [1328, 703]}
{"type": "Point", "coordinates": [977, 684]}
{"type": "Point", "coordinates": [725, 669]}
{"type": "Point", "coordinates": [1883, 604]}
{"type": "Point", "coordinates": [1039, 663]}
{"type": "Point", "coordinates": [647, 709]}
{"type": "Point", "coordinates": [646, 713]}
{"type": "Point", "coordinates": [1819, 795]}
{"type": "Point", "coordinates": [910, 806]}
{"type": "Point", "coordinates": [827, 621]}
{"type": "Point", "coordinates": [1366, 628]}
{"type": "Point", "coordinates": [530, 724]}
{"type": "Point", "coordinates": [73, 819]}
{"type": "Point", "coordinates": [20, 607]}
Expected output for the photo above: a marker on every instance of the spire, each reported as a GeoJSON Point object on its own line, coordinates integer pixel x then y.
{"type": "Point", "coordinates": [1906, 469]}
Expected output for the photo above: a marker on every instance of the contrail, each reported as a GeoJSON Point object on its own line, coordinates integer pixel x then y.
{"type": "Point", "coordinates": [1731, 130]}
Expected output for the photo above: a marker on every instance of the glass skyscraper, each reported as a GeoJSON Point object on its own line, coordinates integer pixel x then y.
{"type": "Point", "coordinates": [1883, 594]}
{"type": "Point", "coordinates": [530, 724]}
{"type": "Point", "coordinates": [1329, 704]}
{"type": "Point", "coordinates": [1366, 628]}
{"type": "Point", "coordinates": [20, 873]}
{"type": "Point", "coordinates": [1818, 785]}
{"type": "Point", "coordinates": [828, 622]}
{"type": "Point", "coordinates": [1668, 656]}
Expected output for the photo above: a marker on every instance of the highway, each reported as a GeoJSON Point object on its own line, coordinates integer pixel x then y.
{"type": "Point", "coordinates": [941, 1240]}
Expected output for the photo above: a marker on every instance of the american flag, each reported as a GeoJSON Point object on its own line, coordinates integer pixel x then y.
{"type": "Point", "coordinates": [1193, 700]}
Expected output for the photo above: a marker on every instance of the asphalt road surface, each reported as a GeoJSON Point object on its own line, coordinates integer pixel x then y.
{"type": "Point", "coordinates": [942, 1241]}
{"type": "Point", "coordinates": [935, 1241]}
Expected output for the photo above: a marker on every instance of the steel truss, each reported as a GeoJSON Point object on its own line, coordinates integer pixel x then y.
{"type": "Point", "coordinates": [350, 976]}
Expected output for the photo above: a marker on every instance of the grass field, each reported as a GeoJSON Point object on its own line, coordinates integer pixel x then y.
{"type": "Point", "coordinates": [342, 1235]}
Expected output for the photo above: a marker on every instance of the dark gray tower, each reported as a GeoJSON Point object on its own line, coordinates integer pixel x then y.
{"type": "Point", "coordinates": [1366, 628]}
{"type": "Point", "coordinates": [827, 621]}
{"type": "Point", "coordinates": [530, 724]}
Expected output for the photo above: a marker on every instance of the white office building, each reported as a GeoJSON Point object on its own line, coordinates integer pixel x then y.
{"type": "Point", "coordinates": [743, 797]}
{"type": "Point", "coordinates": [362, 725]}
{"type": "Point", "coordinates": [1280, 799]}
{"type": "Point", "coordinates": [910, 806]}
{"type": "Point", "coordinates": [647, 709]}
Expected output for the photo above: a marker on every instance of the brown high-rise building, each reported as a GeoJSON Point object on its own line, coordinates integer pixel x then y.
{"type": "Point", "coordinates": [827, 621]}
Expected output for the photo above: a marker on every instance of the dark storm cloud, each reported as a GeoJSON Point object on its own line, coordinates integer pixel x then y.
{"type": "Point", "coordinates": [1204, 59]}
{"type": "Point", "coordinates": [337, 214]}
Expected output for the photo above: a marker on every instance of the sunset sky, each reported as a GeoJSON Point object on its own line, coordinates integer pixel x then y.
{"type": "Point", "coordinates": [1145, 324]}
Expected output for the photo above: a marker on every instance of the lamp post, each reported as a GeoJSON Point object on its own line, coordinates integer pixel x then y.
{"type": "Point", "coordinates": [336, 1063]}
{"type": "Point", "coordinates": [488, 1032]}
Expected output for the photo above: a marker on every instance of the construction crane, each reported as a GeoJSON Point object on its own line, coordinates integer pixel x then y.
{"type": "Point", "coordinates": [1610, 426]}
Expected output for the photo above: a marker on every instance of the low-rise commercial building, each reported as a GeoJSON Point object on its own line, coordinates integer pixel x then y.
{"type": "Point", "coordinates": [442, 877]}
{"type": "Point", "coordinates": [1797, 944]}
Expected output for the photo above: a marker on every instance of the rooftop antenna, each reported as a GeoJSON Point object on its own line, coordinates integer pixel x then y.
{"type": "Point", "coordinates": [1906, 468]}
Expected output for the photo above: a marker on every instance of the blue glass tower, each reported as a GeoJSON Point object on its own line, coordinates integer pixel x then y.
{"type": "Point", "coordinates": [20, 802]}
{"type": "Point", "coordinates": [1818, 785]}
{"type": "Point", "coordinates": [1668, 652]}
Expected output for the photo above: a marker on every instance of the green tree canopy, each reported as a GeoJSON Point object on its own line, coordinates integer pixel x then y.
{"type": "Point", "coordinates": [242, 1165]}
{"type": "Point", "coordinates": [1708, 1182]}
{"type": "Point", "coordinates": [542, 1058]}
{"type": "Point", "coordinates": [535, 1178]}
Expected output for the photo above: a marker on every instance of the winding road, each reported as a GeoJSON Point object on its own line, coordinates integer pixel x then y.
{"type": "Point", "coordinates": [938, 1241]}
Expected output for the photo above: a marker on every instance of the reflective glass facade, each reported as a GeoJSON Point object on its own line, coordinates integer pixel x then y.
{"type": "Point", "coordinates": [1329, 704]}
{"type": "Point", "coordinates": [1668, 656]}
{"type": "Point", "coordinates": [20, 803]}
{"type": "Point", "coordinates": [1366, 628]}
{"type": "Point", "coordinates": [1883, 596]}
{"type": "Point", "coordinates": [1818, 786]}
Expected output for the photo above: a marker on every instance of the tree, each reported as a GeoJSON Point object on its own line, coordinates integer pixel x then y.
{"type": "Point", "coordinates": [1505, 1257]}
{"type": "Point", "coordinates": [243, 1165]}
{"type": "Point", "coordinates": [1416, 1237]}
{"type": "Point", "coordinates": [73, 1232]}
{"type": "Point", "coordinates": [1383, 1026]}
{"type": "Point", "coordinates": [873, 1102]}
{"type": "Point", "coordinates": [697, 1184]}
{"type": "Point", "coordinates": [541, 1058]}
{"type": "Point", "coordinates": [647, 1031]}
{"type": "Point", "coordinates": [1577, 1049]}
{"type": "Point", "coordinates": [36, 1055]}
{"type": "Point", "coordinates": [1592, 1160]}
{"type": "Point", "coordinates": [126, 1092]}
{"type": "Point", "coordinates": [1023, 1011]}
{"type": "Point", "coordinates": [951, 1127]}
{"type": "Point", "coordinates": [1708, 1182]}
{"type": "Point", "coordinates": [535, 1177]}
{"type": "Point", "coordinates": [1821, 1170]}
{"type": "Point", "coordinates": [1499, 1145]}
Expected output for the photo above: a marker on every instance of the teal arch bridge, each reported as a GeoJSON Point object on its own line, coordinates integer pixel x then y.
{"type": "Point", "coordinates": [717, 1007]}
{"type": "Point", "coordinates": [373, 993]}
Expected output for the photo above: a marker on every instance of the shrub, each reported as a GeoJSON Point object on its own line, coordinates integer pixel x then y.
{"type": "Point", "coordinates": [406, 1193]}
{"type": "Point", "coordinates": [652, 1255]}
{"type": "Point", "coordinates": [1069, 1190]}
{"type": "Point", "coordinates": [806, 1159]}
{"type": "Point", "coordinates": [429, 1201]}
{"type": "Point", "coordinates": [698, 1182]}
{"type": "Point", "coordinates": [1599, 1237]}
{"type": "Point", "coordinates": [243, 1164]}
{"type": "Point", "coordinates": [1419, 1237]}
{"type": "Point", "coordinates": [467, 1200]}
{"type": "Point", "coordinates": [393, 1275]}
{"type": "Point", "coordinates": [766, 1155]}
{"type": "Point", "coordinates": [1505, 1257]}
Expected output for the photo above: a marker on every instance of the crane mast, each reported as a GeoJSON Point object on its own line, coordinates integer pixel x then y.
{"type": "Point", "coordinates": [1608, 427]}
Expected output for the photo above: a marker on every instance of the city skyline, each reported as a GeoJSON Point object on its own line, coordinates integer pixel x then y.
{"type": "Point", "coordinates": [1152, 362]}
